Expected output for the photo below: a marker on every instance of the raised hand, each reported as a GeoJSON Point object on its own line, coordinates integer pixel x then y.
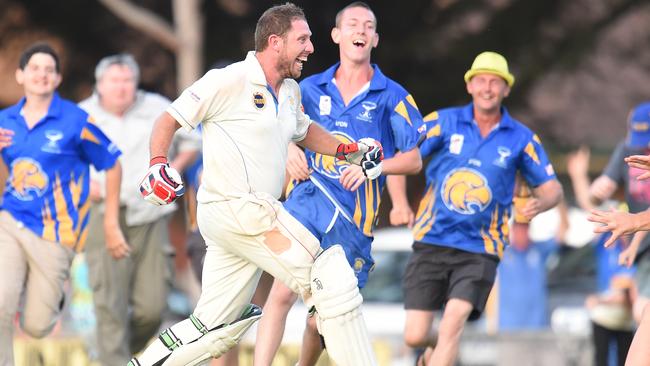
{"type": "Point", "coordinates": [640, 162]}
{"type": "Point", "coordinates": [617, 222]}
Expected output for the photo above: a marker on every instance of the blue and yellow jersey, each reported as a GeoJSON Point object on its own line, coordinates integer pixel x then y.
{"type": "Point", "coordinates": [470, 180]}
{"type": "Point", "coordinates": [48, 184]}
{"type": "Point", "coordinates": [384, 111]}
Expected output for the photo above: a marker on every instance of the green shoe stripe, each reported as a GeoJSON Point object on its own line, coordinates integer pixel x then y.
{"type": "Point", "coordinates": [169, 339]}
{"type": "Point", "coordinates": [198, 325]}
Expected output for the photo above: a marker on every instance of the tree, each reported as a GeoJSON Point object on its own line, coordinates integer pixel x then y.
{"type": "Point", "coordinates": [184, 38]}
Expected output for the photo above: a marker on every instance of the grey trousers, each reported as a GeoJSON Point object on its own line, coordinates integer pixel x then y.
{"type": "Point", "coordinates": [130, 294]}
{"type": "Point", "coordinates": [39, 268]}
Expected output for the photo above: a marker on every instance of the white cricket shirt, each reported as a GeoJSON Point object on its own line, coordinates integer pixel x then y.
{"type": "Point", "coordinates": [246, 132]}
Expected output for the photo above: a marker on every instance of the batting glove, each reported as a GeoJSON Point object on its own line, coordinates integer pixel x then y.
{"type": "Point", "coordinates": [367, 152]}
{"type": "Point", "coordinates": [162, 185]}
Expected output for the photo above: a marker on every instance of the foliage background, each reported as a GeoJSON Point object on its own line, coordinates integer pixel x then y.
{"type": "Point", "coordinates": [580, 65]}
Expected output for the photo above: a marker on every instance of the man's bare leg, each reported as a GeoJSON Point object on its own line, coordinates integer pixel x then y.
{"type": "Point", "coordinates": [271, 326]}
{"type": "Point", "coordinates": [230, 358]}
{"type": "Point", "coordinates": [451, 328]}
{"type": "Point", "coordinates": [312, 346]}
{"type": "Point", "coordinates": [418, 333]}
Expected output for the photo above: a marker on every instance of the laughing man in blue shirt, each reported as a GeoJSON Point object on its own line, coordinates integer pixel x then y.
{"type": "Point", "coordinates": [461, 226]}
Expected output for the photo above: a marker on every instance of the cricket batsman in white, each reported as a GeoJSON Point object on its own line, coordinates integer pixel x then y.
{"type": "Point", "coordinates": [249, 112]}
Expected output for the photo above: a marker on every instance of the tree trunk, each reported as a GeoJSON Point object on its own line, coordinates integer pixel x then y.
{"type": "Point", "coordinates": [185, 39]}
{"type": "Point", "coordinates": [189, 31]}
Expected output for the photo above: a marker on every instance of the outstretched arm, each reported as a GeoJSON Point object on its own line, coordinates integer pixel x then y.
{"type": "Point", "coordinates": [409, 162]}
{"type": "Point", "coordinates": [319, 140]}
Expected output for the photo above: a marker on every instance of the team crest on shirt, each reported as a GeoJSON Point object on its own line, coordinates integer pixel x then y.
{"type": "Point", "coordinates": [258, 100]}
{"type": "Point", "coordinates": [329, 165]}
{"type": "Point", "coordinates": [456, 143]}
{"type": "Point", "coordinates": [366, 114]}
{"type": "Point", "coordinates": [27, 180]}
{"type": "Point", "coordinates": [325, 105]}
{"type": "Point", "coordinates": [504, 153]}
{"type": "Point", "coordinates": [466, 191]}
{"type": "Point", "coordinates": [358, 264]}
{"type": "Point", "coordinates": [52, 145]}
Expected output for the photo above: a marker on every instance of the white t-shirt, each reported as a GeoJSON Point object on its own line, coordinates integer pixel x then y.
{"type": "Point", "coordinates": [245, 131]}
{"type": "Point", "coordinates": [131, 133]}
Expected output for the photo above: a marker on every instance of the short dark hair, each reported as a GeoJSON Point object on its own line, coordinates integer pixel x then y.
{"type": "Point", "coordinates": [276, 20]}
{"type": "Point", "coordinates": [40, 47]}
{"type": "Point", "coordinates": [356, 4]}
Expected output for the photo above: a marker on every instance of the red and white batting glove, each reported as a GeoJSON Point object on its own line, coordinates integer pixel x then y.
{"type": "Point", "coordinates": [367, 152]}
{"type": "Point", "coordinates": [162, 185]}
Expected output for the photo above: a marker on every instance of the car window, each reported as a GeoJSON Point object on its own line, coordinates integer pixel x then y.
{"type": "Point", "coordinates": [385, 281]}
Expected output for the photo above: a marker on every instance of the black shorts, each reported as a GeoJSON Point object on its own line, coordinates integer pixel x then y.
{"type": "Point", "coordinates": [435, 274]}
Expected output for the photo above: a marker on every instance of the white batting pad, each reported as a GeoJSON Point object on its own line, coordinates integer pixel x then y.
{"type": "Point", "coordinates": [216, 342]}
{"type": "Point", "coordinates": [337, 299]}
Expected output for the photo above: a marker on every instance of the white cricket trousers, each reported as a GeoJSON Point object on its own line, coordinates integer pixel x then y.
{"type": "Point", "coordinates": [245, 236]}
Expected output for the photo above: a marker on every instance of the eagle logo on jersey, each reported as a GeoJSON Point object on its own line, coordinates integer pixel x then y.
{"type": "Point", "coordinates": [259, 100]}
{"type": "Point", "coordinates": [329, 165]}
{"type": "Point", "coordinates": [27, 177]}
{"type": "Point", "coordinates": [466, 191]}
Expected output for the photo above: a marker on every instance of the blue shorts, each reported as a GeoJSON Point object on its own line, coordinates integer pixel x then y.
{"type": "Point", "coordinates": [309, 205]}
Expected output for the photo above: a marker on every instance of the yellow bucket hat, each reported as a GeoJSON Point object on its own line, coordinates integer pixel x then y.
{"type": "Point", "coordinates": [491, 63]}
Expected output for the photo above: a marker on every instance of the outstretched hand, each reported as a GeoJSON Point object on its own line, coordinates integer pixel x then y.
{"type": "Point", "coordinates": [640, 162]}
{"type": "Point", "coordinates": [617, 222]}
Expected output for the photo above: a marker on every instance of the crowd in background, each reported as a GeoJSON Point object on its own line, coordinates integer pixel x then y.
{"type": "Point", "coordinates": [128, 282]}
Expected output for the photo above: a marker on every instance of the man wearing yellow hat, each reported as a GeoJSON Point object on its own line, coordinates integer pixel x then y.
{"type": "Point", "coordinates": [461, 226]}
